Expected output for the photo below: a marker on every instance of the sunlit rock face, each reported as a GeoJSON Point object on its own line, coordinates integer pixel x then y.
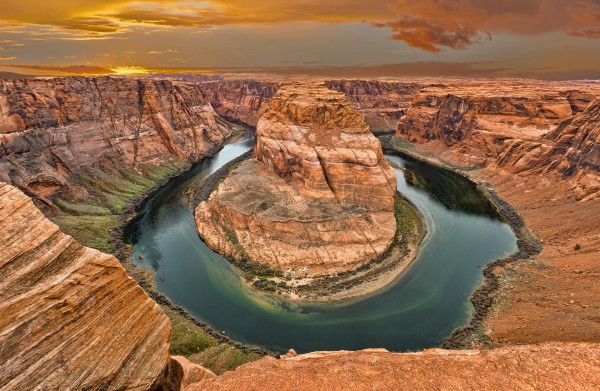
{"type": "Point", "coordinates": [53, 128]}
{"type": "Point", "coordinates": [381, 102]}
{"type": "Point", "coordinates": [72, 319]}
{"type": "Point", "coordinates": [313, 136]}
{"type": "Point", "coordinates": [318, 197]}
{"type": "Point", "coordinates": [576, 151]}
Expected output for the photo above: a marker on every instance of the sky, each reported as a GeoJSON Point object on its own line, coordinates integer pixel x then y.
{"type": "Point", "coordinates": [549, 39]}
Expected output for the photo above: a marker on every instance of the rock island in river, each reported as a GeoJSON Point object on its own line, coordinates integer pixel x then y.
{"type": "Point", "coordinates": [315, 213]}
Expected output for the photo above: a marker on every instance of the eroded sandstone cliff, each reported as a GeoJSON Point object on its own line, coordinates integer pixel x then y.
{"type": "Point", "coordinates": [381, 102]}
{"type": "Point", "coordinates": [547, 167]}
{"type": "Point", "coordinates": [519, 127]}
{"type": "Point", "coordinates": [241, 100]}
{"type": "Point", "coordinates": [318, 197]}
{"type": "Point", "coordinates": [71, 317]}
{"type": "Point", "coordinates": [51, 129]}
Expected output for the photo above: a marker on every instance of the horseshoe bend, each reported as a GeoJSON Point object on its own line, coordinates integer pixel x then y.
{"type": "Point", "coordinates": [316, 200]}
{"type": "Point", "coordinates": [426, 224]}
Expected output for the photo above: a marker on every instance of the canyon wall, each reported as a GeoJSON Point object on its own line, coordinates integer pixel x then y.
{"type": "Point", "coordinates": [240, 100]}
{"type": "Point", "coordinates": [522, 128]}
{"type": "Point", "coordinates": [71, 317]}
{"type": "Point", "coordinates": [381, 102]}
{"type": "Point", "coordinates": [53, 128]}
{"type": "Point", "coordinates": [318, 197]}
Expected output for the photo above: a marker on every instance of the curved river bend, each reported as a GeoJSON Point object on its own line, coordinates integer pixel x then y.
{"type": "Point", "coordinates": [419, 310]}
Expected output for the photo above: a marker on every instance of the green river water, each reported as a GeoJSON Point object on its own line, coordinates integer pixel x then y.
{"type": "Point", "coordinates": [418, 310]}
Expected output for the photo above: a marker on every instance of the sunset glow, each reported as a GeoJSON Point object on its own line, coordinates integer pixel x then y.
{"type": "Point", "coordinates": [430, 37]}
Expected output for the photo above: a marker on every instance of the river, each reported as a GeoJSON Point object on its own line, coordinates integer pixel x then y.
{"type": "Point", "coordinates": [418, 310]}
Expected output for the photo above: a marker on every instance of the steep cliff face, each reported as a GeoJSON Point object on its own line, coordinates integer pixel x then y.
{"type": "Point", "coordinates": [317, 199]}
{"type": "Point", "coordinates": [382, 103]}
{"type": "Point", "coordinates": [578, 141]}
{"type": "Point", "coordinates": [453, 115]}
{"type": "Point", "coordinates": [313, 135]}
{"type": "Point", "coordinates": [547, 367]}
{"type": "Point", "coordinates": [529, 129]}
{"type": "Point", "coordinates": [576, 151]}
{"type": "Point", "coordinates": [53, 128]}
{"type": "Point", "coordinates": [71, 317]}
{"type": "Point", "coordinates": [241, 100]}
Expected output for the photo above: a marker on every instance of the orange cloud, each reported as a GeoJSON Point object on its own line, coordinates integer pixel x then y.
{"type": "Point", "coordinates": [430, 25]}
{"type": "Point", "coordinates": [64, 70]}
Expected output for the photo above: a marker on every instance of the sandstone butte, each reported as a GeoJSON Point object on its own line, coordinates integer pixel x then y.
{"type": "Point", "coordinates": [318, 197]}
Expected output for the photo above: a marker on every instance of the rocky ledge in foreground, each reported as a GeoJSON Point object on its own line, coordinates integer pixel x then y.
{"type": "Point", "coordinates": [318, 197]}
{"type": "Point", "coordinates": [71, 317]}
{"type": "Point", "coordinates": [543, 367]}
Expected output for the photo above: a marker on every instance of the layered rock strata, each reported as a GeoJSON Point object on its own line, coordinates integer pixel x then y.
{"type": "Point", "coordinates": [318, 197]}
{"type": "Point", "coordinates": [547, 167]}
{"type": "Point", "coordinates": [381, 102]}
{"type": "Point", "coordinates": [522, 130]}
{"type": "Point", "coordinates": [71, 317]}
{"type": "Point", "coordinates": [51, 129]}
{"type": "Point", "coordinates": [241, 100]}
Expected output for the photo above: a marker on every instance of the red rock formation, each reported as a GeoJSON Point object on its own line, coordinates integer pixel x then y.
{"type": "Point", "coordinates": [71, 317]}
{"type": "Point", "coordinates": [546, 367]}
{"type": "Point", "coordinates": [53, 128]}
{"type": "Point", "coordinates": [314, 136]}
{"type": "Point", "coordinates": [323, 197]}
{"type": "Point", "coordinates": [576, 150]}
{"type": "Point", "coordinates": [188, 373]}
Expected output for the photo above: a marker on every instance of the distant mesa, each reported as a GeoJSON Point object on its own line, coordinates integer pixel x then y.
{"type": "Point", "coordinates": [318, 196]}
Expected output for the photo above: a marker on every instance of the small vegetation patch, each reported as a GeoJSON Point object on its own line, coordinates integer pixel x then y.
{"type": "Point", "coordinates": [200, 347]}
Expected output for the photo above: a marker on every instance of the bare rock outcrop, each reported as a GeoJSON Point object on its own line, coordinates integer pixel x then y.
{"type": "Point", "coordinates": [53, 128]}
{"type": "Point", "coordinates": [576, 150]}
{"type": "Point", "coordinates": [71, 317]}
{"type": "Point", "coordinates": [188, 373]}
{"type": "Point", "coordinates": [529, 367]}
{"type": "Point", "coordinates": [318, 197]}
